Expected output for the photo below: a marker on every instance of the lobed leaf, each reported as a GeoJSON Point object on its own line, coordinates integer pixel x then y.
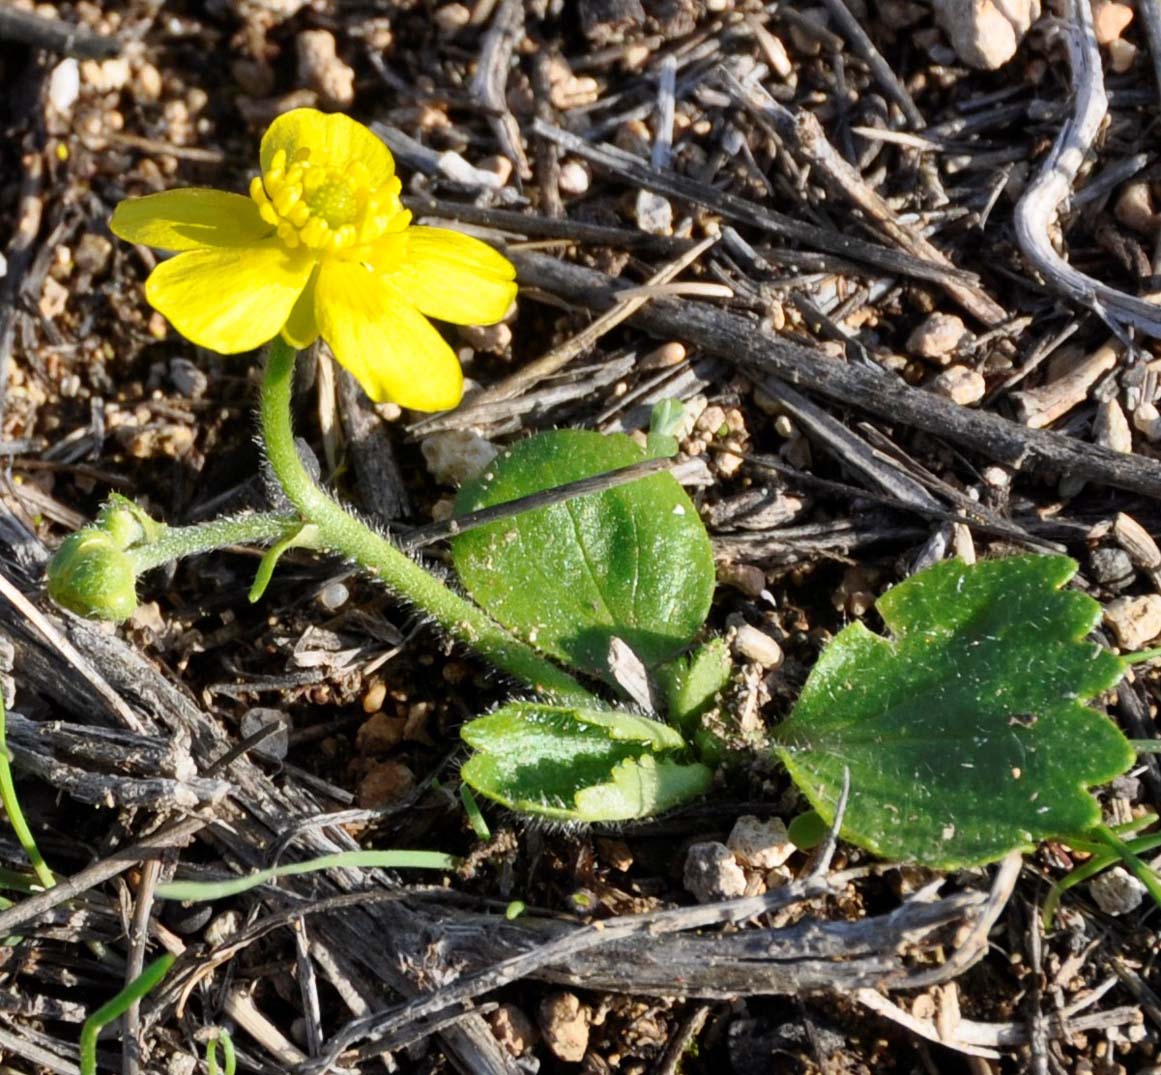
{"type": "Point", "coordinates": [966, 732]}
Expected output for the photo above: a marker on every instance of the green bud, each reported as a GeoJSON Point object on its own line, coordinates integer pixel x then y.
{"type": "Point", "coordinates": [126, 523]}
{"type": "Point", "coordinates": [92, 576]}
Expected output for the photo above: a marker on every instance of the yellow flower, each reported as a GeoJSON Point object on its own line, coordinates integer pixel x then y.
{"type": "Point", "coordinates": [322, 246]}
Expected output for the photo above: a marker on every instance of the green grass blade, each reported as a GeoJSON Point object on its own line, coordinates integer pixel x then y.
{"type": "Point", "coordinates": [133, 992]}
{"type": "Point", "coordinates": [11, 806]}
{"type": "Point", "coordinates": [195, 891]}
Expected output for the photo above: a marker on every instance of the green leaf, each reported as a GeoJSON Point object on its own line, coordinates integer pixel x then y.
{"type": "Point", "coordinates": [966, 733]}
{"type": "Point", "coordinates": [579, 764]}
{"type": "Point", "coordinates": [692, 682]}
{"type": "Point", "coordinates": [632, 562]}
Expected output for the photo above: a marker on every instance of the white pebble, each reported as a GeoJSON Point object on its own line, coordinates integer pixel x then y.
{"type": "Point", "coordinates": [574, 178]}
{"type": "Point", "coordinates": [960, 384]}
{"type": "Point", "coordinates": [937, 337]}
{"type": "Point", "coordinates": [64, 86]}
{"type": "Point", "coordinates": [1117, 891]}
{"type": "Point", "coordinates": [763, 845]}
{"type": "Point", "coordinates": [457, 455]}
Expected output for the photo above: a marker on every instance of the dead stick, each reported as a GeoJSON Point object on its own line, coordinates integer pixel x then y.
{"type": "Point", "coordinates": [740, 341]}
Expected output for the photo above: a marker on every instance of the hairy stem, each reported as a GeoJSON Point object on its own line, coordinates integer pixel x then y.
{"type": "Point", "coordinates": [175, 542]}
{"type": "Point", "coordinates": [341, 532]}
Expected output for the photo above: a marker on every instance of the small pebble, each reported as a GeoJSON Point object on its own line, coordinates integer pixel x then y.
{"type": "Point", "coordinates": [513, 1029]}
{"type": "Point", "coordinates": [386, 783]}
{"type": "Point", "coordinates": [321, 69]}
{"type": "Point", "coordinates": [1110, 429]}
{"type": "Point", "coordinates": [960, 384]}
{"type": "Point", "coordinates": [712, 873]}
{"type": "Point", "coordinates": [1110, 20]}
{"type": "Point", "coordinates": [1147, 421]}
{"type": "Point", "coordinates": [1111, 568]}
{"type": "Point", "coordinates": [275, 746]}
{"type": "Point", "coordinates": [375, 697]}
{"type": "Point", "coordinates": [1122, 55]}
{"type": "Point", "coordinates": [1135, 621]}
{"type": "Point", "coordinates": [380, 734]}
{"type": "Point", "coordinates": [1134, 207]}
{"type": "Point", "coordinates": [757, 646]}
{"type": "Point", "coordinates": [457, 455]}
{"type": "Point", "coordinates": [1117, 891]}
{"type": "Point", "coordinates": [764, 845]}
{"type": "Point", "coordinates": [986, 33]}
{"type": "Point", "coordinates": [574, 178]}
{"type": "Point", "coordinates": [222, 928]}
{"type": "Point", "coordinates": [452, 18]}
{"type": "Point", "coordinates": [188, 378]}
{"type": "Point", "coordinates": [64, 86]}
{"type": "Point", "coordinates": [333, 596]}
{"type": "Point", "coordinates": [937, 337]}
{"type": "Point", "coordinates": [564, 1022]}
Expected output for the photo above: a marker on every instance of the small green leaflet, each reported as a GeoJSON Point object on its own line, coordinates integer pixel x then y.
{"type": "Point", "coordinates": [632, 562]}
{"type": "Point", "coordinates": [966, 733]}
{"type": "Point", "coordinates": [575, 764]}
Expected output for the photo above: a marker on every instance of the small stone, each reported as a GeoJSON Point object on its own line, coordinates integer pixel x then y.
{"type": "Point", "coordinates": [747, 578]}
{"type": "Point", "coordinates": [1147, 421]}
{"type": "Point", "coordinates": [712, 873]}
{"type": "Point", "coordinates": [187, 378]}
{"type": "Point", "coordinates": [986, 33]}
{"type": "Point", "coordinates": [321, 69]}
{"type": "Point", "coordinates": [106, 76]}
{"type": "Point", "coordinates": [333, 596]}
{"type": "Point", "coordinates": [960, 384]}
{"type": "Point", "coordinates": [148, 84]}
{"type": "Point", "coordinates": [1110, 20]}
{"type": "Point", "coordinates": [379, 734]}
{"type": "Point", "coordinates": [1135, 621]}
{"type": "Point", "coordinates": [764, 845]}
{"type": "Point", "coordinates": [1116, 891]}
{"type": "Point", "coordinates": [457, 455]}
{"type": "Point", "coordinates": [513, 1029]}
{"type": "Point", "coordinates": [1122, 55]}
{"type": "Point", "coordinates": [1111, 428]}
{"type": "Point", "coordinates": [181, 1064]}
{"type": "Point", "coordinates": [1134, 207]}
{"type": "Point", "coordinates": [997, 477]}
{"type": "Point", "coordinates": [757, 646]}
{"type": "Point", "coordinates": [499, 166]}
{"type": "Point", "coordinates": [222, 928]}
{"type": "Point", "coordinates": [663, 357]}
{"type": "Point", "coordinates": [574, 178]}
{"type": "Point", "coordinates": [1111, 568]}
{"type": "Point", "coordinates": [564, 1022]}
{"type": "Point", "coordinates": [452, 18]}
{"type": "Point", "coordinates": [495, 339]}
{"type": "Point", "coordinates": [937, 337]}
{"type": "Point", "coordinates": [64, 86]}
{"type": "Point", "coordinates": [375, 697]}
{"type": "Point", "coordinates": [276, 744]}
{"type": "Point", "coordinates": [54, 296]}
{"type": "Point", "coordinates": [92, 253]}
{"type": "Point", "coordinates": [386, 783]}
{"type": "Point", "coordinates": [654, 213]}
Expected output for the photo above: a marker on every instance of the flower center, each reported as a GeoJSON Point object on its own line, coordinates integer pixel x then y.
{"type": "Point", "coordinates": [324, 209]}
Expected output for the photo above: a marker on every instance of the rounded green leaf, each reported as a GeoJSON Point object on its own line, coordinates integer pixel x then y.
{"type": "Point", "coordinates": [965, 733]}
{"type": "Point", "coordinates": [574, 764]}
{"type": "Point", "coordinates": [633, 562]}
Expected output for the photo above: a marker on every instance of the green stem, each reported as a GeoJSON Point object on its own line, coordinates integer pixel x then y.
{"type": "Point", "coordinates": [1132, 863]}
{"type": "Point", "coordinates": [349, 537]}
{"type": "Point", "coordinates": [1146, 746]}
{"type": "Point", "coordinates": [178, 541]}
{"type": "Point", "coordinates": [11, 806]}
{"type": "Point", "coordinates": [1141, 657]}
{"type": "Point", "coordinates": [118, 1006]}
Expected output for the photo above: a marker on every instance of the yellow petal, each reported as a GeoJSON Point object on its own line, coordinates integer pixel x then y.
{"type": "Point", "coordinates": [189, 219]}
{"type": "Point", "coordinates": [334, 140]}
{"type": "Point", "coordinates": [392, 350]}
{"type": "Point", "coordinates": [301, 328]}
{"type": "Point", "coordinates": [448, 275]}
{"type": "Point", "coordinates": [229, 300]}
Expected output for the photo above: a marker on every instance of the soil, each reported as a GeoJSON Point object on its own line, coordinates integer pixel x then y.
{"type": "Point", "coordinates": [508, 118]}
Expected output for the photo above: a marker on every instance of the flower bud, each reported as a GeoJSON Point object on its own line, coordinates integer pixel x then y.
{"type": "Point", "coordinates": [91, 576]}
{"type": "Point", "coordinates": [126, 523]}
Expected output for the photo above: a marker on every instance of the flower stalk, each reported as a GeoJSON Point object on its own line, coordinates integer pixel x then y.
{"type": "Point", "coordinates": [346, 535]}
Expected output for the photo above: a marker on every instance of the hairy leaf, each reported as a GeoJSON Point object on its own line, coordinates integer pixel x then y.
{"type": "Point", "coordinates": [631, 562]}
{"type": "Point", "coordinates": [579, 764]}
{"type": "Point", "coordinates": [966, 732]}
